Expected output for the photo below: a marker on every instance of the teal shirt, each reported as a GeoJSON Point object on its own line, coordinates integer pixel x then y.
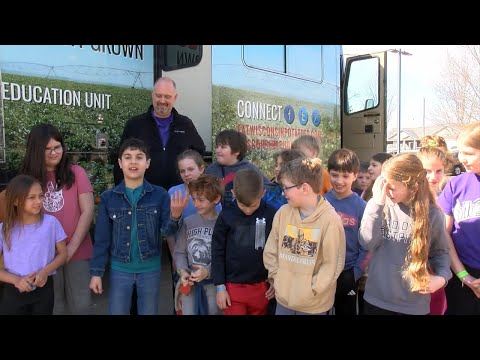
{"type": "Point", "coordinates": [136, 264]}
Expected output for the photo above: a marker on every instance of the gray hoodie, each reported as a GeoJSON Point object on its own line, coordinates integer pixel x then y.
{"type": "Point", "coordinates": [385, 287]}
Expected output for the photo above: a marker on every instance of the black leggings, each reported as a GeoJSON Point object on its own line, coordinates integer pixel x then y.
{"type": "Point", "coordinates": [370, 309]}
{"type": "Point", "coordinates": [461, 300]}
{"type": "Point", "coordinates": [36, 302]}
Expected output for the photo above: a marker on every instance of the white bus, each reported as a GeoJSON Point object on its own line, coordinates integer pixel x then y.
{"type": "Point", "coordinates": [272, 93]}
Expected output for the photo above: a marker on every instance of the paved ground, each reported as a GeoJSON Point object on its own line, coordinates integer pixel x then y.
{"type": "Point", "coordinates": [100, 306]}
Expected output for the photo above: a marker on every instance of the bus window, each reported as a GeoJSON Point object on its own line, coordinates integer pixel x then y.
{"type": "Point", "coordinates": [175, 57]}
{"type": "Point", "coordinates": [304, 62]}
{"type": "Point", "coordinates": [364, 109]}
{"type": "Point", "coordinates": [265, 57]}
{"type": "Point", "coordinates": [363, 88]}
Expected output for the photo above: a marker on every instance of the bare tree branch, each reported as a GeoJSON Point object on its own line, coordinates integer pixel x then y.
{"type": "Point", "coordinates": [459, 89]}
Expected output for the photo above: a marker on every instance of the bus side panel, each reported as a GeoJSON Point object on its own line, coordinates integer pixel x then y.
{"type": "Point", "coordinates": [194, 87]}
{"type": "Point", "coordinates": [87, 91]}
{"type": "Point", "coordinates": [274, 108]}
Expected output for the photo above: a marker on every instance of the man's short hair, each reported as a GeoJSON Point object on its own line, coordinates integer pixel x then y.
{"type": "Point", "coordinates": [166, 79]}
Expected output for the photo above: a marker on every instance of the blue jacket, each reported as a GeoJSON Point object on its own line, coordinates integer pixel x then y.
{"type": "Point", "coordinates": [114, 221]}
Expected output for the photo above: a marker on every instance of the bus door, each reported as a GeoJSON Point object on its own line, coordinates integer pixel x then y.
{"type": "Point", "coordinates": [364, 104]}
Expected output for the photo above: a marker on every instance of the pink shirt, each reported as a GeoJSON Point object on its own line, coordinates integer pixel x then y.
{"type": "Point", "coordinates": [64, 205]}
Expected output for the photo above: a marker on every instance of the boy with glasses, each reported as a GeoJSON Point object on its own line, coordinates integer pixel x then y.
{"type": "Point", "coordinates": [305, 251]}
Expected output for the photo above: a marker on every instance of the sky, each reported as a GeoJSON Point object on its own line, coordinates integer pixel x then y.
{"type": "Point", "coordinates": [420, 72]}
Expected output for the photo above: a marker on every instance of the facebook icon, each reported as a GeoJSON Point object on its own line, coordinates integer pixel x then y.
{"type": "Point", "coordinates": [289, 114]}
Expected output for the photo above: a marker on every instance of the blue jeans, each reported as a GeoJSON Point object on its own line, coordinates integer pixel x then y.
{"type": "Point", "coordinates": [121, 288]}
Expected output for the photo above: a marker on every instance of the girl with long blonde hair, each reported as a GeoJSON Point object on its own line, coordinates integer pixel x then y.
{"type": "Point", "coordinates": [403, 228]}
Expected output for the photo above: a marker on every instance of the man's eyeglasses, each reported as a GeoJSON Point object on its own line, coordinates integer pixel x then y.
{"type": "Point", "coordinates": [57, 149]}
{"type": "Point", "coordinates": [285, 188]}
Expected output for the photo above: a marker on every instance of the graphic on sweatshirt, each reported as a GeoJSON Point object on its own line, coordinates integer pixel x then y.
{"type": "Point", "coordinates": [228, 185]}
{"type": "Point", "coordinates": [466, 210]}
{"type": "Point", "coordinates": [53, 200]}
{"type": "Point", "coordinates": [348, 220]}
{"type": "Point", "coordinates": [300, 245]}
{"type": "Point", "coordinates": [200, 245]}
{"type": "Point", "coordinates": [396, 231]}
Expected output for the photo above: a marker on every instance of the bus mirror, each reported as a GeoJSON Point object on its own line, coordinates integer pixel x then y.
{"type": "Point", "coordinates": [369, 104]}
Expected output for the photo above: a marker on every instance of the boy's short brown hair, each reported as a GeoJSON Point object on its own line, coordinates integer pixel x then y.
{"type": "Point", "coordinates": [301, 171]}
{"type": "Point", "coordinates": [289, 155]}
{"type": "Point", "coordinates": [248, 186]}
{"type": "Point", "coordinates": [134, 144]}
{"type": "Point", "coordinates": [344, 160]}
{"type": "Point", "coordinates": [208, 185]}
{"type": "Point", "coordinates": [364, 167]}
{"type": "Point", "coordinates": [235, 139]}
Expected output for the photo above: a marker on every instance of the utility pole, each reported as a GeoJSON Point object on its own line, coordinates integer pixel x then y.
{"type": "Point", "coordinates": [424, 116]}
{"type": "Point", "coordinates": [400, 53]}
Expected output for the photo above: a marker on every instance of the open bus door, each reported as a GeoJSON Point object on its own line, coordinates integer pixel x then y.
{"type": "Point", "coordinates": [364, 126]}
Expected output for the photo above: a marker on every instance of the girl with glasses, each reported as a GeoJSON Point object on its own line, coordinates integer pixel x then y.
{"type": "Point", "coordinates": [68, 196]}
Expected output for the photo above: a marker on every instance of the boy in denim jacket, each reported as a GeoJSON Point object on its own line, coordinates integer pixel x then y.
{"type": "Point", "coordinates": [132, 220]}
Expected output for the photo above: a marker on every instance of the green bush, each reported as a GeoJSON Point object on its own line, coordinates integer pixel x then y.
{"type": "Point", "coordinates": [78, 124]}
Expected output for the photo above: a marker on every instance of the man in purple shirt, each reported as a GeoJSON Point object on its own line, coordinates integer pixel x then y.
{"type": "Point", "coordinates": [166, 132]}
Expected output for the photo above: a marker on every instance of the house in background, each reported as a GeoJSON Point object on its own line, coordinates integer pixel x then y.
{"type": "Point", "coordinates": [410, 137]}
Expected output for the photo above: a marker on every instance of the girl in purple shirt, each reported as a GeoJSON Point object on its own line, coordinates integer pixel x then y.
{"type": "Point", "coordinates": [460, 201]}
{"type": "Point", "coordinates": [33, 246]}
